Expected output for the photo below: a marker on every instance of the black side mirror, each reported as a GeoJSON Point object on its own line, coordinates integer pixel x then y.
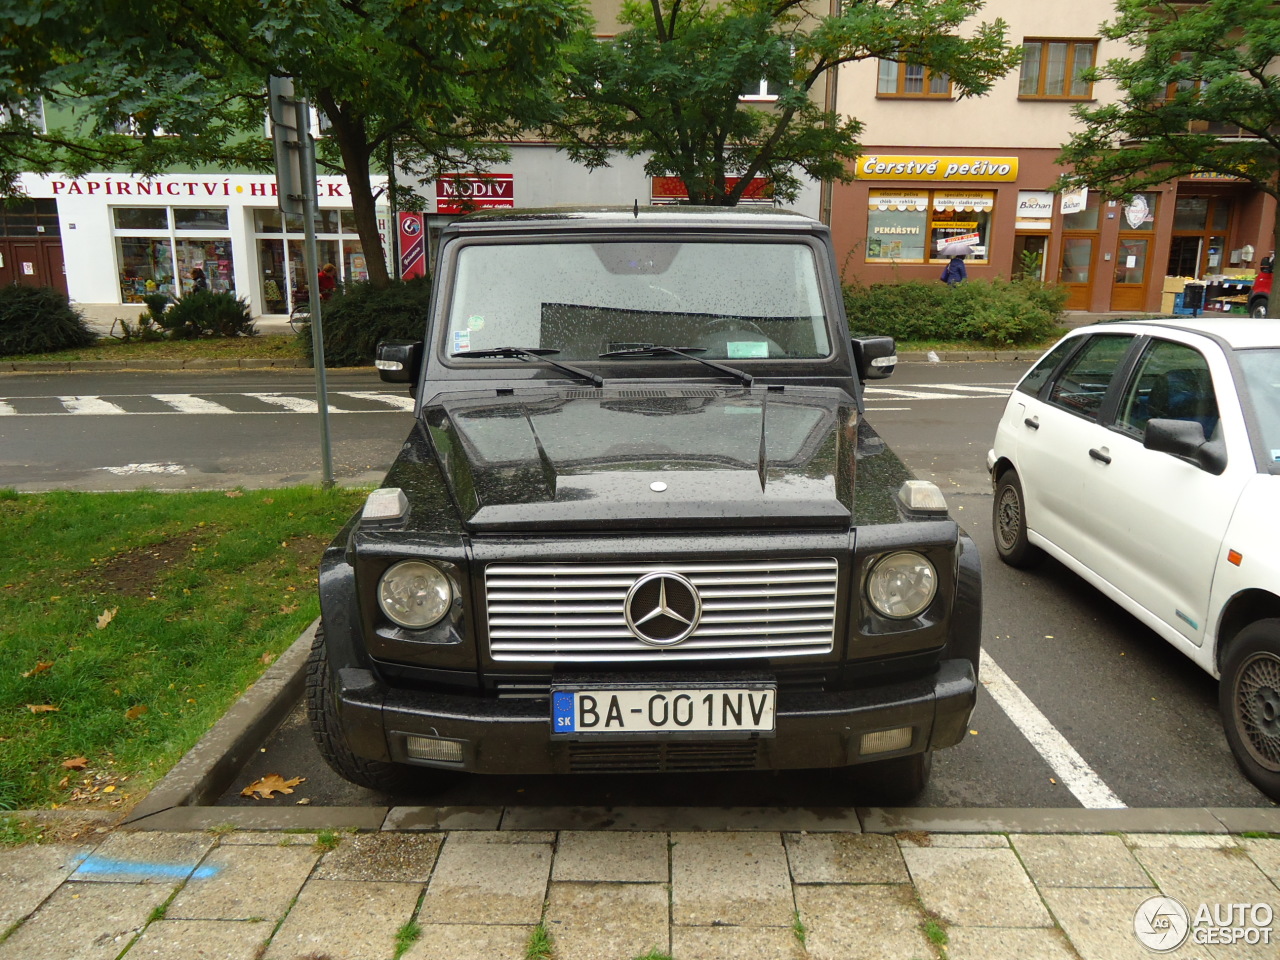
{"type": "Point", "coordinates": [1185, 439]}
{"type": "Point", "coordinates": [876, 357]}
{"type": "Point", "coordinates": [398, 361]}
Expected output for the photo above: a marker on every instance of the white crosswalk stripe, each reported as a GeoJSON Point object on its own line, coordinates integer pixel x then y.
{"type": "Point", "coordinates": [295, 404]}
{"type": "Point", "coordinates": [94, 405]}
{"type": "Point", "coordinates": [187, 403]}
{"type": "Point", "coordinates": [241, 404]}
{"type": "Point", "coordinates": [397, 400]}
{"type": "Point", "coordinates": [938, 391]}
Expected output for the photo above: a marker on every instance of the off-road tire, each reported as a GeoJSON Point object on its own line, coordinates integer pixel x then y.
{"type": "Point", "coordinates": [1249, 699]}
{"type": "Point", "coordinates": [1009, 523]}
{"type": "Point", "coordinates": [329, 738]}
{"type": "Point", "coordinates": [895, 782]}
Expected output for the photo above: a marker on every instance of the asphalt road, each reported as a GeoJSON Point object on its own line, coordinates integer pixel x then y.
{"type": "Point", "coordinates": [1107, 712]}
{"type": "Point", "coordinates": [190, 431]}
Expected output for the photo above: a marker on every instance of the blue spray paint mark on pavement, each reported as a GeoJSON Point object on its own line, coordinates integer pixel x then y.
{"type": "Point", "coordinates": [131, 868]}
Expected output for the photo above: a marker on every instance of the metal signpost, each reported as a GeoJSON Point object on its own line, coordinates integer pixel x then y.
{"type": "Point", "coordinates": [295, 152]}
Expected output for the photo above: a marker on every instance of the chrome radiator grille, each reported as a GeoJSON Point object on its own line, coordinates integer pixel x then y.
{"type": "Point", "coordinates": [573, 612]}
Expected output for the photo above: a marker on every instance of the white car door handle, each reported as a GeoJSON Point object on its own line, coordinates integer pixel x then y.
{"type": "Point", "coordinates": [1099, 455]}
{"type": "Point", "coordinates": [1033, 424]}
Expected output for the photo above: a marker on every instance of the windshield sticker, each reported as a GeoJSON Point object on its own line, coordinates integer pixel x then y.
{"type": "Point", "coordinates": [1275, 456]}
{"type": "Point", "coordinates": [475, 323]}
{"type": "Point", "coordinates": [747, 349]}
{"type": "Point", "coordinates": [461, 341]}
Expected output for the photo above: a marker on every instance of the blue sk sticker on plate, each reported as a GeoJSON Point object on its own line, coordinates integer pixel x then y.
{"type": "Point", "coordinates": [562, 713]}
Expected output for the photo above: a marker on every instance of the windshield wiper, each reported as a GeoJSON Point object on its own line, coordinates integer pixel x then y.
{"type": "Point", "coordinates": [534, 353]}
{"type": "Point", "coordinates": [686, 352]}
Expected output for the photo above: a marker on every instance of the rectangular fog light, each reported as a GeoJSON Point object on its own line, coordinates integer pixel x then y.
{"type": "Point", "coordinates": [883, 741]}
{"type": "Point", "coordinates": [429, 748]}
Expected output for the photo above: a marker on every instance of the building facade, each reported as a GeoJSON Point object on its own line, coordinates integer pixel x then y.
{"type": "Point", "coordinates": [935, 168]}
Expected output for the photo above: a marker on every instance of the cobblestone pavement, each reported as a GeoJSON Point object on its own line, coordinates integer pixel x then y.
{"type": "Point", "coordinates": [494, 894]}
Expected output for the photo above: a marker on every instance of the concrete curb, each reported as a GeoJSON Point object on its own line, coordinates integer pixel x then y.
{"type": "Point", "coordinates": [202, 775]}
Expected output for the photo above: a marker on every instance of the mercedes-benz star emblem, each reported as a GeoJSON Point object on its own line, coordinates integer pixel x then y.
{"type": "Point", "coordinates": [663, 608]}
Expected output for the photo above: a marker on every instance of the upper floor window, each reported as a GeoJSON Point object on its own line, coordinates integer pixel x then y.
{"type": "Point", "coordinates": [766, 89]}
{"type": "Point", "coordinates": [32, 111]}
{"type": "Point", "coordinates": [911, 80]}
{"type": "Point", "coordinates": [1185, 84]}
{"type": "Point", "coordinates": [133, 126]}
{"type": "Point", "coordinates": [1051, 69]}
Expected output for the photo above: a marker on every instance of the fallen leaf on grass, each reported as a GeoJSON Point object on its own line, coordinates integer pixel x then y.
{"type": "Point", "coordinates": [40, 667]}
{"type": "Point", "coordinates": [76, 763]}
{"type": "Point", "coordinates": [106, 617]}
{"type": "Point", "coordinates": [267, 657]}
{"type": "Point", "coordinates": [235, 493]}
{"type": "Point", "coordinates": [42, 708]}
{"type": "Point", "coordinates": [134, 712]}
{"type": "Point", "coordinates": [271, 784]}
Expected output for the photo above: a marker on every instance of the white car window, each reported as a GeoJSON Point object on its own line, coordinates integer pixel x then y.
{"type": "Point", "coordinates": [1172, 382]}
{"type": "Point", "coordinates": [1083, 383]}
{"type": "Point", "coordinates": [1045, 366]}
{"type": "Point", "coordinates": [1262, 376]}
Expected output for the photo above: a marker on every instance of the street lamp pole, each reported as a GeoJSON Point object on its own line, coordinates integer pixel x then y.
{"type": "Point", "coordinates": [295, 152]}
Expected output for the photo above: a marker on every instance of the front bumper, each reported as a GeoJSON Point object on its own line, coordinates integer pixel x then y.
{"type": "Point", "coordinates": [813, 729]}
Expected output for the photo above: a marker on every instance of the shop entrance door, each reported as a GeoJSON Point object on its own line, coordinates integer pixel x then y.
{"type": "Point", "coordinates": [1029, 255]}
{"type": "Point", "coordinates": [1130, 289]}
{"type": "Point", "coordinates": [1075, 269]}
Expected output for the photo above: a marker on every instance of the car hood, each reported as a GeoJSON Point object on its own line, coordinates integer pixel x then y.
{"type": "Point", "coordinates": [575, 459]}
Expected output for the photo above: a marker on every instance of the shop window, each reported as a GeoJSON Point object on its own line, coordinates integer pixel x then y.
{"type": "Point", "coordinates": [141, 218]}
{"type": "Point", "coordinates": [283, 279]}
{"type": "Point", "coordinates": [1086, 219]}
{"type": "Point", "coordinates": [911, 80]}
{"type": "Point", "coordinates": [146, 267]}
{"type": "Point", "coordinates": [158, 250]}
{"type": "Point", "coordinates": [200, 218]}
{"type": "Point", "coordinates": [1053, 69]}
{"type": "Point", "coordinates": [914, 226]}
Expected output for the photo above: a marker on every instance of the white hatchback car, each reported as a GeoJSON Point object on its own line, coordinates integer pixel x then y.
{"type": "Point", "coordinates": [1145, 456]}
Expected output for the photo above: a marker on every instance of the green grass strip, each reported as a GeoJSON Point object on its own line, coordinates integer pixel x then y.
{"type": "Point", "coordinates": [129, 623]}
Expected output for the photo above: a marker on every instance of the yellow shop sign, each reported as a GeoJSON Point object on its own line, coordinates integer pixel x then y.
{"type": "Point", "coordinates": [945, 169]}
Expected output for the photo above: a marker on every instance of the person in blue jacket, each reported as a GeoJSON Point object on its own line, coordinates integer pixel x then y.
{"type": "Point", "coordinates": [954, 271]}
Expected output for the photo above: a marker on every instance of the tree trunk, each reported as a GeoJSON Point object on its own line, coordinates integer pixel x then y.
{"type": "Point", "coordinates": [353, 145]}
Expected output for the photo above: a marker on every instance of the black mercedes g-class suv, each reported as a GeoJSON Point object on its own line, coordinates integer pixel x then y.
{"type": "Point", "coordinates": [640, 523]}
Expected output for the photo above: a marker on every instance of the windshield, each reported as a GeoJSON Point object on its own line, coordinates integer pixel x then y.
{"type": "Point", "coordinates": [737, 301]}
{"type": "Point", "coordinates": [1262, 379]}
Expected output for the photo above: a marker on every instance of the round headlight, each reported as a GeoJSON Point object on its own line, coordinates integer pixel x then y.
{"type": "Point", "coordinates": [902, 585]}
{"type": "Point", "coordinates": [414, 594]}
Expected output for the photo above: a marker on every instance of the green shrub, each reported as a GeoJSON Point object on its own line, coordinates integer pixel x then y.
{"type": "Point", "coordinates": [996, 312]}
{"type": "Point", "coordinates": [205, 314]}
{"type": "Point", "coordinates": [359, 316]}
{"type": "Point", "coordinates": [39, 320]}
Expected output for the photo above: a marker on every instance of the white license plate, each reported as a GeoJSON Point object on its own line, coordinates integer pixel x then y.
{"type": "Point", "coordinates": [674, 710]}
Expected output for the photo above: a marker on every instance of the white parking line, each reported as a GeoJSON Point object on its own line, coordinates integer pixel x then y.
{"type": "Point", "coordinates": [1075, 774]}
